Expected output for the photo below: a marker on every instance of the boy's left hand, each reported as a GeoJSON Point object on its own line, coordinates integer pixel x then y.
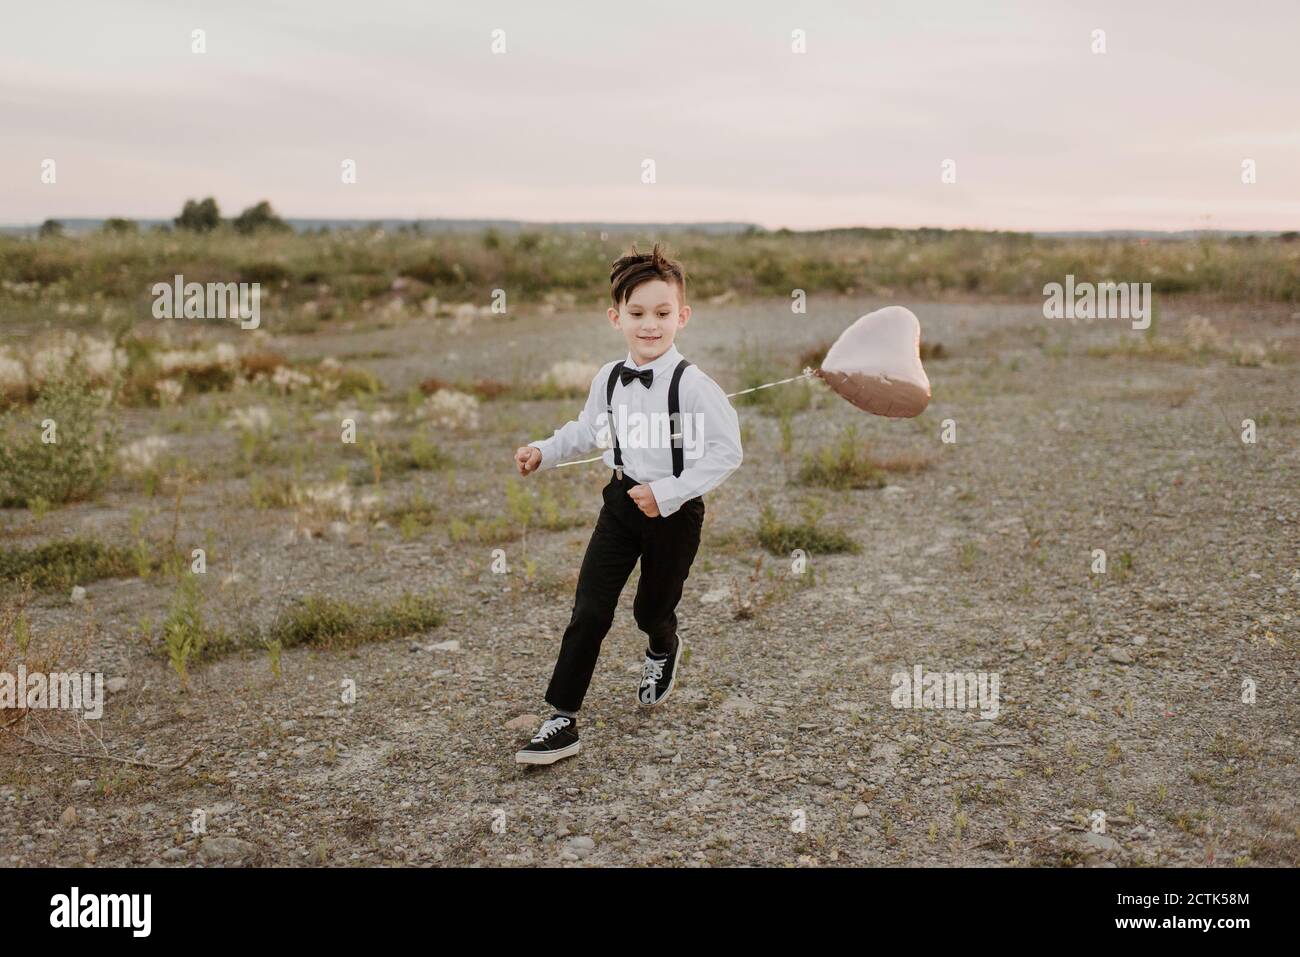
{"type": "Point", "coordinates": [645, 500]}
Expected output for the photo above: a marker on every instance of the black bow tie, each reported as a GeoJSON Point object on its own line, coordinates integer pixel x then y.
{"type": "Point", "coordinates": [645, 375]}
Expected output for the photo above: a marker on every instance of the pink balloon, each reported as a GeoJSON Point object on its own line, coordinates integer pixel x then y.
{"type": "Point", "coordinates": [876, 364]}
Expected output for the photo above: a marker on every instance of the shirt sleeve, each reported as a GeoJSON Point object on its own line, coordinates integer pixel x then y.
{"type": "Point", "coordinates": [720, 430]}
{"type": "Point", "coordinates": [588, 431]}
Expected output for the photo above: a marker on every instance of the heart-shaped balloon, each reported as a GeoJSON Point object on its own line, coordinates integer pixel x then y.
{"type": "Point", "coordinates": [876, 364]}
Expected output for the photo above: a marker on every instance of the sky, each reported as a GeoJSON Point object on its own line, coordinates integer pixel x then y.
{"type": "Point", "coordinates": [1042, 132]}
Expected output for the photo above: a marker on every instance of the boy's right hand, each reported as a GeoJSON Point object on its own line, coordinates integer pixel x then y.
{"type": "Point", "coordinates": [529, 459]}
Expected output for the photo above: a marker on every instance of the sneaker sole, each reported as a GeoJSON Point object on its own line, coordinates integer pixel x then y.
{"type": "Point", "coordinates": [548, 757]}
{"type": "Point", "coordinates": [677, 668]}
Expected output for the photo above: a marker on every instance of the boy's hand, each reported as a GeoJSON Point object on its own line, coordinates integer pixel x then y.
{"type": "Point", "coordinates": [528, 458]}
{"type": "Point", "coordinates": [645, 500]}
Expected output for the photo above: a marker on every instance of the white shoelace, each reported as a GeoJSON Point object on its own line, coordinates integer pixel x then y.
{"type": "Point", "coordinates": [653, 671]}
{"type": "Point", "coordinates": [549, 727]}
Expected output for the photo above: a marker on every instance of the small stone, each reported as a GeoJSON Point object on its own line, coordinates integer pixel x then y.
{"type": "Point", "coordinates": [225, 850]}
{"type": "Point", "coordinates": [860, 810]}
{"type": "Point", "coordinates": [451, 645]}
{"type": "Point", "coordinates": [78, 594]}
{"type": "Point", "coordinates": [580, 847]}
{"type": "Point", "coordinates": [174, 854]}
{"type": "Point", "coordinates": [523, 723]}
{"type": "Point", "coordinates": [69, 817]}
{"type": "Point", "coordinates": [1098, 843]}
{"type": "Point", "coordinates": [115, 685]}
{"type": "Point", "coordinates": [1121, 655]}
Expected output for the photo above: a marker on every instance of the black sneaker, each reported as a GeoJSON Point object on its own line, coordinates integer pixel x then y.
{"type": "Point", "coordinates": [658, 675]}
{"type": "Point", "coordinates": [556, 740]}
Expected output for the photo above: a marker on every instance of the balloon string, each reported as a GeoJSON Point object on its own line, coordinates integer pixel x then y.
{"type": "Point", "coordinates": [808, 371]}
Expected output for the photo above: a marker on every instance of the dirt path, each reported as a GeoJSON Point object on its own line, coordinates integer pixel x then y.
{"type": "Point", "coordinates": [1119, 692]}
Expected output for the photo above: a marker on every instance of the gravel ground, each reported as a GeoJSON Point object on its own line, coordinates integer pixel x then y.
{"type": "Point", "coordinates": [1120, 692]}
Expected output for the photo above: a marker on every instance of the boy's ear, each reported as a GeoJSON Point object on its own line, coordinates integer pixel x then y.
{"type": "Point", "coordinates": [683, 317]}
{"type": "Point", "coordinates": [613, 316]}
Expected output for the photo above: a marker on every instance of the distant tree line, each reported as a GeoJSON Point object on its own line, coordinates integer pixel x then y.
{"type": "Point", "coordinates": [197, 216]}
{"type": "Point", "coordinates": [203, 216]}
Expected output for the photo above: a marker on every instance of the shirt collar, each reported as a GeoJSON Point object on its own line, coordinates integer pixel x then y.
{"type": "Point", "coordinates": [667, 360]}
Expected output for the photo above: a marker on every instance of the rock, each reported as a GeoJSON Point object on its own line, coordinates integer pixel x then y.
{"type": "Point", "coordinates": [740, 705]}
{"type": "Point", "coordinates": [715, 595]}
{"type": "Point", "coordinates": [78, 595]}
{"type": "Point", "coordinates": [860, 810]}
{"type": "Point", "coordinates": [1094, 843]}
{"type": "Point", "coordinates": [115, 685]}
{"type": "Point", "coordinates": [580, 847]}
{"type": "Point", "coordinates": [1121, 655]}
{"type": "Point", "coordinates": [225, 850]}
{"type": "Point", "coordinates": [524, 722]}
{"type": "Point", "coordinates": [451, 645]}
{"type": "Point", "coordinates": [174, 854]}
{"type": "Point", "coordinates": [69, 816]}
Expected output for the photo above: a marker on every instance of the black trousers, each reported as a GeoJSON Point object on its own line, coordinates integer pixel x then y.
{"type": "Point", "coordinates": [623, 533]}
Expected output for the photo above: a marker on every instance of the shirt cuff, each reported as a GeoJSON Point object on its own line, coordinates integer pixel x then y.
{"type": "Point", "coordinates": [546, 447]}
{"type": "Point", "coordinates": [666, 496]}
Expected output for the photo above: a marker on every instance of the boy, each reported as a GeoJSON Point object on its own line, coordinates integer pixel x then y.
{"type": "Point", "coordinates": [653, 509]}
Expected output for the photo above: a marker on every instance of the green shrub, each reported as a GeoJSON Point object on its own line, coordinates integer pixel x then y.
{"type": "Point", "coordinates": [185, 636]}
{"type": "Point", "coordinates": [334, 623]}
{"type": "Point", "coordinates": [781, 538]}
{"type": "Point", "coordinates": [60, 565]}
{"type": "Point", "coordinates": [845, 466]}
{"type": "Point", "coordinates": [74, 466]}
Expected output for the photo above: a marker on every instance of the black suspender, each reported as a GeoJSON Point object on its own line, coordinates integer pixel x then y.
{"type": "Point", "coordinates": [613, 427]}
{"type": "Point", "coordinates": [674, 417]}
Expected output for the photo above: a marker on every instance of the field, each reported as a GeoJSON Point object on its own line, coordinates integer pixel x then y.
{"type": "Point", "coordinates": [284, 549]}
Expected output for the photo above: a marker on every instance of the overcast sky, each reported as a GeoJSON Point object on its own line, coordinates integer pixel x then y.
{"type": "Point", "coordinates": [1044, 133]}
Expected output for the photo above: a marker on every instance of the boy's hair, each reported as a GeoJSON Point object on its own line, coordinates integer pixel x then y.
{"type": "Point", "coordinates": [636, 268]}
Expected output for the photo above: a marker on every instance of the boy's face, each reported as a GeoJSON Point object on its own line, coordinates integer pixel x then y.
{"type": "Point", "coordinates": [650, 318]}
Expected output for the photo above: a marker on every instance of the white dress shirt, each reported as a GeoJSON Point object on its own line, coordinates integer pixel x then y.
{"type": "Point", "coordinates": [700, 397]}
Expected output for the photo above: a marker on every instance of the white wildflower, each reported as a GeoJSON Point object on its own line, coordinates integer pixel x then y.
{"type": "Point", "coordinates": [169, 391]}
{"type": "Point", "coordinates": [572, 376]}
{"type": "Point", "coordinates": [101, 358]}
{"type": "Point", "coordinates": [287, 379]}
{"type": "Point", "coordinates": [1202, 334]}
{"type": "Point", "coordinates": [49, 362]}
{"type": "Point", "coordinates": [224, 354]}
{"type": "Point", "coordinates": [141, 456]}
{"type": "Point", "coordinates": [252, 419]}
{"type": "Point", "coordinates": [333, 498]}
{"type": "Point", "coordinates": [13, 374]}
{"type": "Point", "coordinates": [451, 409]}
